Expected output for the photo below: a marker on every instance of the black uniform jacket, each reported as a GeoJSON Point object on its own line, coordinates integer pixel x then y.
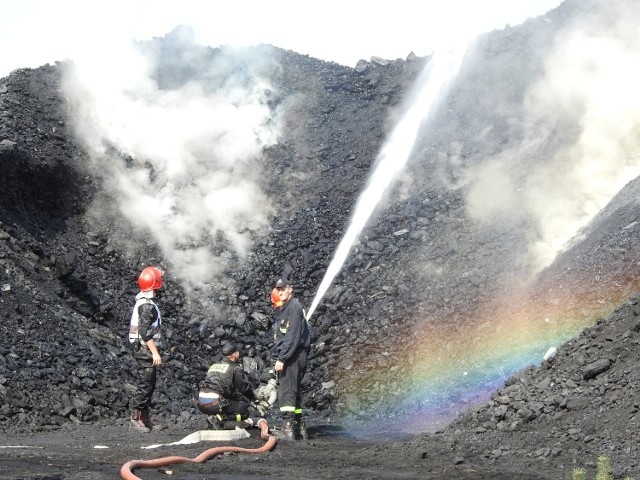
{"type": "Point", "coordinates": [228, 379]}
{"type": "Point", "coordinates": [291, 331]}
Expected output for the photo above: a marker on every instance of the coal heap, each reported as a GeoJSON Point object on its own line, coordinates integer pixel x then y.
{"type": "Point", "coordinates": [67, 280]}
{"type": "Point", "coordinates": [68, 283]}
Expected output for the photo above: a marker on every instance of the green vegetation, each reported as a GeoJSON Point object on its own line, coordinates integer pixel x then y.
{"type": "Point", "coordinates": [604, 468]}
{"type": "Point", "coordinates": [579, 474]}
{"type": "Point", "coordinates": [603, 471]}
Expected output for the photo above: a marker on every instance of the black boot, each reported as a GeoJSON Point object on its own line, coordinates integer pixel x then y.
{"type": "Point", "coordinates": [145, 416]}
{"type": "Point", "coordinates": [288, 430]}
{"type": "Point", "coordinates": [246, 423]}
{"type": "Point", "coordinates": [216, 422]}
{"type": "Point", "coordinates": [301, 432]}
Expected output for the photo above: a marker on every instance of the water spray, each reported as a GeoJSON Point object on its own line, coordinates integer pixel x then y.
{"type": "Point", "coordinates": [437, 77]}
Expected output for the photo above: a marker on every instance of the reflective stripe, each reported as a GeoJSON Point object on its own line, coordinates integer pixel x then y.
{"type": "Point", "coordinates": [206, 398]}
{"type": "Point", "coordinates": [133, 324]}
{"type": "Point", "coordinates": [298, 411]}
{"type": "Point", "coordinates": [287, 409]}
{"type": "Point", "coordinates": [219, 367]}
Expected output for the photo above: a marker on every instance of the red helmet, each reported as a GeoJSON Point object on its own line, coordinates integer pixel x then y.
{"type": "Point", "coordinates": [275, 298]}
{"type": "Point", "coordinates": [150, 279]}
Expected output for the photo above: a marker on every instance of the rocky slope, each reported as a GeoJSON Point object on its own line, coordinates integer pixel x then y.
{"type": "Point", "coordinates": [68, 275]}
{"type": "Point", "coordinates": [578, 405]}
{"type": "Point", "coordinates": [68, 281]}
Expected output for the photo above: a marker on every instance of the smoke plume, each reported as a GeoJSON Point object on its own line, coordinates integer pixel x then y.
{"type": "Point", "coordinates": [581, 134]}
{"type": "Point", "coordinates": [175, 135]}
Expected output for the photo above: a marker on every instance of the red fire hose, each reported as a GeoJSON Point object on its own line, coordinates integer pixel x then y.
{"type": "Point", "coordinates": [126, 472]}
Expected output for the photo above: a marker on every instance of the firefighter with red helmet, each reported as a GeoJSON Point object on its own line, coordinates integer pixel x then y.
{"type": "Point", "coordinates": [292, 345]}
{"type": "Point", "coordinates": [144, 341]}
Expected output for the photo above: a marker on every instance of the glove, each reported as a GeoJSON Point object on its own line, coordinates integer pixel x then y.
{"type": "Point", "coordinates": [262, 407]}
{"type": "Point", "coordinates": [270, 391]}
{"type": "Point", "coordinates": [259, 394]}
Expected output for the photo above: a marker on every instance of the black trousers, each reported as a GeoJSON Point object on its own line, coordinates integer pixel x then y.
{"type": "Point", "coordinates": [290, 386]}
{"type": "Point", "coordinates": [145, 382]}
{"type": "Point", "coordinates": [228, 407]}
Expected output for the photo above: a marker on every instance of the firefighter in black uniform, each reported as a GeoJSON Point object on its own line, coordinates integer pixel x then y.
{"type": "Point", "coordinates": [292, 345]}
{"type": "Point", "coordinates": [144, 341]}
{"type": "Point", "coordinates": [225, 394]}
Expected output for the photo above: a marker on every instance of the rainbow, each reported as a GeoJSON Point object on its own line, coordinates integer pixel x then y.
{"type": "Point", "coordinates": [454, 367]}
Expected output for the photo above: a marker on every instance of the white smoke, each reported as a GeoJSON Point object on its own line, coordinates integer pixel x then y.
{"type": "Point", "coordinates": [587, 94]}
{"type": "Point", "coordinates": [192, 181]}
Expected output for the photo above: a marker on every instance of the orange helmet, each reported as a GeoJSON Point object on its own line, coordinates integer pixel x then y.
{"type": "Point", "coordinates": [150, 279]}
{"type": "Point", "coordinates": [275, 298]}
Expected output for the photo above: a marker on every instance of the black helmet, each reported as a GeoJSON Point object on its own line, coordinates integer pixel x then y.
{"type": "Point", "coordinates": [282, 282]}
{"type": "Point", "coordinates": [230, 348]}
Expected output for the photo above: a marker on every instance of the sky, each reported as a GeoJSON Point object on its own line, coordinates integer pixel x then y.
{"type": "Point", "coordinates": [36, 32]}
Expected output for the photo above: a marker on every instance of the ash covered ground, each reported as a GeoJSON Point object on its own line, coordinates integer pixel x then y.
{"type": "Point", "coordinates": [70, 257]}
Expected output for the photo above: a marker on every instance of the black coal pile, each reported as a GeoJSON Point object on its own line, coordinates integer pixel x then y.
{"type": "Point", "coordinates": [68, 286]}
{"type": "Point", "coordinates": [578, 405]}
{"type": "Point", "coordinates": [67, 280]}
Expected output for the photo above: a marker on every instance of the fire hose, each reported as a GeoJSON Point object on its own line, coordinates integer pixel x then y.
{"type": "Point", "coordinates": [126, 471]}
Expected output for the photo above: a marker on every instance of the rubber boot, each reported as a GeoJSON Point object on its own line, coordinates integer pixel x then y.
{"type": "Point", "coordinates": [216, 422]}
{"type": "Point", "coordinates": [145, 416]}
{"type": "Point", "coordinates": [288, 430]}
{"type": "Point", "coordinates": [246, 423]}
{"type": "Point", "coordinates": [137, 423]}
{"type": "Point", "coordinates": [301, 432]}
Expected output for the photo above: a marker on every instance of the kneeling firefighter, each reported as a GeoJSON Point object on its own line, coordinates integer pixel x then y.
{"type": "Point", "coordinates": [225, 394]}
{"type": "Point", "coordinates": [292, 345]}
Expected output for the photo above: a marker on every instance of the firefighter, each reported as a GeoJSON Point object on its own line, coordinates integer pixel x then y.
{"type": "Point", "coordinates": [225, 394]}
{"type": "Point", "coordinates": [144, 342]}
{"type": "Point", "coordinates": [292, 345]}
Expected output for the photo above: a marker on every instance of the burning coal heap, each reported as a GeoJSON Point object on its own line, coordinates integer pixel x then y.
{"type": "Point", "coordinates": [70, 252]}
{"type": "Point", "coordinates": [70, 258]}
